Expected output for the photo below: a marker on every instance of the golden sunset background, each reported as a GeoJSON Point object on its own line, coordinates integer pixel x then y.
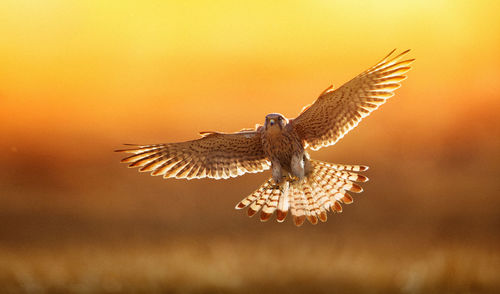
{"type": "Point", "coordinates": [79, 78]}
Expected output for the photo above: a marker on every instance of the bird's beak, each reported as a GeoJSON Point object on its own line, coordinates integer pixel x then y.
{"type": "Point", "coordinates": [271, 122]}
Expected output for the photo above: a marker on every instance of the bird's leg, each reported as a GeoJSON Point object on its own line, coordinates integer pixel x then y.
{"type": "Point", "coordinates": [297, 165]}
{"type": "Point", "coordinates": [308, 169]}
{"type": "Point", "coordinates": [277, 172]}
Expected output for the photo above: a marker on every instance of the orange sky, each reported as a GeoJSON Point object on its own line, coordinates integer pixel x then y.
{"type": "Point", "coordinates": [162, 70]}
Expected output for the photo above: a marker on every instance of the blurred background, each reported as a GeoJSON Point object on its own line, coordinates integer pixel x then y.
{"type": "Point", "coordinates": [79, 78]}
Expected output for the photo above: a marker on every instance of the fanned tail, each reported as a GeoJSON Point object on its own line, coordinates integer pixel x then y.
{"type": "Point", "coordinates": [324, 189]}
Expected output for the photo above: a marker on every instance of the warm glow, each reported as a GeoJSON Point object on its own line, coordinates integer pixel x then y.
{"type": "Point", "coordinates": [79, 78]}
{"type": "Point", "coordinates": [107, 67]}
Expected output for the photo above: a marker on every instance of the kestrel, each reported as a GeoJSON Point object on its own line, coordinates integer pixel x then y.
{"type": "Point", "coordinates": [307, 187]}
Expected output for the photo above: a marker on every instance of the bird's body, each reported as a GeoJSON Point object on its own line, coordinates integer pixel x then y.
{"type": "Point", "coordinates": [306, 187]}
{"type": "Point", "coordinates": [283, 148]}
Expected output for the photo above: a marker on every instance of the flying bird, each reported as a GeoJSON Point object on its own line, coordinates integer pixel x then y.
{"type": "Point", "coordinates": [306, 187]}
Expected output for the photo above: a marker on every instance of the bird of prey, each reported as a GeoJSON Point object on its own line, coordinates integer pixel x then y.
{"type": "Point", "coordinates": [306, 187]}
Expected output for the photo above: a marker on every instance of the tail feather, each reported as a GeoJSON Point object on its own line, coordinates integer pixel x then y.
{"type": "Point", "coordinates": [257, 205]}
{"type": "Point", "coordinates": [270, 206]}
{"type": "Point", "coordinates": [253, 197]}
{"type": "Point", "coordinates": [337, 206]}
{"type": "Point", "coordinates": [299, 205]}
{"type": "Point", "coordinates": [341, 167]}
{"type": "Point", "coordinates": [320, 199]}
{"type": "Point", "coordinates": [350, 176]}
{"type": "Point", "coordinates": [283, 204]}
{"type": "Point", "coordinates": [322, 190]}
{"type": "Point", "coordinates": [256, 199]}
{"type": "Point", "coordinates": [311, 205]}
{"type": "Point", "coordinates": [328, 179]}
{"type": "Point", "coordinates": [344, 197]}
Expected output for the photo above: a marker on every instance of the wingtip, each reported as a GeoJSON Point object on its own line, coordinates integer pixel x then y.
{"type": "Point", "coordinates": [390, 53]}
{"type": "Point", "coordinates": [124, 150]}
{"type": "Point", "coordinates": [389, 57]}
{"type": "Point", "coordinates": [397, 57]}
{"type": "Point", "coordinates": [137, 147]}
{"type": "Point", "coordinates": [406, 51]}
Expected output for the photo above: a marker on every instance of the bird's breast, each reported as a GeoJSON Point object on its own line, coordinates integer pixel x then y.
{"type": "Point", "coordinates": [281, 146]}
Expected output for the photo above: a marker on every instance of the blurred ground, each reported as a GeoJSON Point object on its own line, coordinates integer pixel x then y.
{"type": "Point", "coordinates": [309, 262]}
{"type": "Point", "coordinates": [78, 79]}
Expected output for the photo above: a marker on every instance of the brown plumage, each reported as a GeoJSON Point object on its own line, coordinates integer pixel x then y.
{"type": "Point", "coordinates": [307, 188]}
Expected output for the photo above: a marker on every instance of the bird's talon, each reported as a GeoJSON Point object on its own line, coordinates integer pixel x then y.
{"type": "Point", "coordinates": [293, 179]}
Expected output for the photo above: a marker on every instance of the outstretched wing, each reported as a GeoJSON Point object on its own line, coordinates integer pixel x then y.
{"type": "Point", "coordinates": [216, 155]}
{"type": "Point", "coordinates": [336, 112]}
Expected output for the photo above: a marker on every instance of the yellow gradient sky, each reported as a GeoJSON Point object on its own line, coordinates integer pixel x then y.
{"type": "Point", "coordinates": [163, 70]}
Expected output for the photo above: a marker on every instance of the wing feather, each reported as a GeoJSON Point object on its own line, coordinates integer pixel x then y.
{"type": "Point", "coordinates": [336, 112]}
{"type": "Point", "coordinates": [215, 155]}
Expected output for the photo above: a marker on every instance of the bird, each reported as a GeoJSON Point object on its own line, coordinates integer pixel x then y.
{"type": "Point", "coordinates": [305, 187]}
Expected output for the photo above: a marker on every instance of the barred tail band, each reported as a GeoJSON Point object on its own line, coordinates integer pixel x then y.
{"type": "Point", "coordinates": [323, 189]}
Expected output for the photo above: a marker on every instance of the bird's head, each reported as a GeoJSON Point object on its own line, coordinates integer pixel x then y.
{"type": "Point", "coordinates": [275, 122]}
